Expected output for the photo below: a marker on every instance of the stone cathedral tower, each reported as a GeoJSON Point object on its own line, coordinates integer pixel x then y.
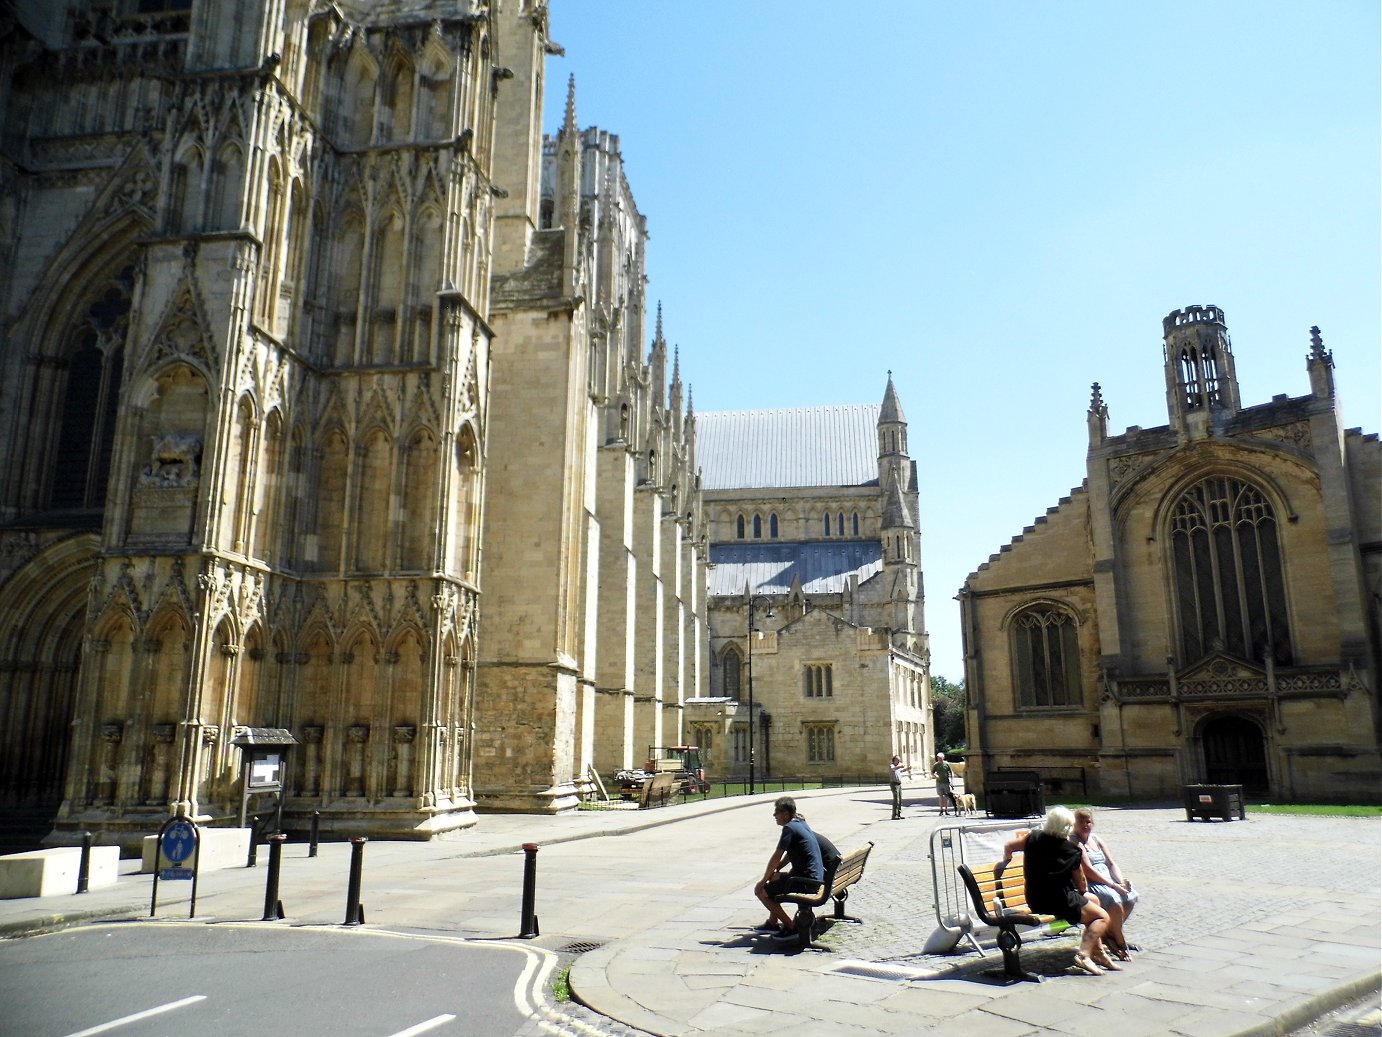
{"type": "Point", "coordinates": [594, 551]}
{"type": "Point", "coordinates": [250, 421]}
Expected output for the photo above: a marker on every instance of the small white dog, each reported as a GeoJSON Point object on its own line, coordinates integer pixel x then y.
{"type": "Point", "coordinates": [965, 802]}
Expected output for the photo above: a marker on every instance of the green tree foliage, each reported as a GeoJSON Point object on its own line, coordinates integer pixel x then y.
{"type": "Point", "coordinates": [948, 704]}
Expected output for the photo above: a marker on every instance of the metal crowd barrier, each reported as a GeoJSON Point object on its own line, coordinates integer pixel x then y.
{"type": "Point", "coordinates": [973, 843]}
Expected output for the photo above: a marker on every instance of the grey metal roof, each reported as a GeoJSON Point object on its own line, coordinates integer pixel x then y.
{"type": "Point", "coordinates": [800, 446]}
{"type": "Point", "coordinates": [824, 566]}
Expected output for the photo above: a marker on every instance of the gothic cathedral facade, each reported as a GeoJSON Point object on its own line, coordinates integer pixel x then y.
{"type": "Point", "coordinates": [819, 658]}
{"type": "Point", "coordinates": [323, 408]}
{"type": "Point", "coordinates": [1205, 608]}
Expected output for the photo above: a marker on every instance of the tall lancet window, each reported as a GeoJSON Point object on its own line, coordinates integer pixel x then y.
{"type": "Point", "coordinates": [1190, 379]}
{"type": "Point", "coordinates": [1230, 592]}
{"type": "Point", "coordinates": [1199, 376]}
{"type": "Point", "coordinates": [86, 428]}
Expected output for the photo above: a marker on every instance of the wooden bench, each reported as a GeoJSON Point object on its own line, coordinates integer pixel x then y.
{"type": "Point", "coordinates": [847, 871]}
{"type": "Point", "coordinates": [1001, 901]}
{"type": "Point", "coordinates": [657, 790]}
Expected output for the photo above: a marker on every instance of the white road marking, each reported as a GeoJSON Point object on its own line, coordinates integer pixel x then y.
{"type": "Point", "coordinates": [147, 1013]}
{"type": "Point", "coordinates": [423, 1027]}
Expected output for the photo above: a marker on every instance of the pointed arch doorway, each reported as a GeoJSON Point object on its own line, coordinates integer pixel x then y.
{"type": "Point", "coordinates": [42, 622]}
{"type": "Point", "coordinates": [1235, 753]}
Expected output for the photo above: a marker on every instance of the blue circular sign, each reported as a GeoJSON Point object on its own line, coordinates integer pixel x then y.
{"type": "Point", "coordinates": [179, 840]}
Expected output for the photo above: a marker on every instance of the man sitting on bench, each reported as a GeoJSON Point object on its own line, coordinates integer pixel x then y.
{"type": "Point", "coordinates": [802, 849]}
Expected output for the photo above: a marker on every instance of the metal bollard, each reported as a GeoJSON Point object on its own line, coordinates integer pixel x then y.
{"type": "Point", "coordinates": [84, 869]}
{"type": "Point", "coordinates": [252, 859]}
{"type": "Point", "coordinates": [273, 907]}
{"type": "Point", "coordinates": [355, 914]}
{"type": "Point", "coordinates": [528, 924]}
{"type": "Point", "coordinates": [316, 831]}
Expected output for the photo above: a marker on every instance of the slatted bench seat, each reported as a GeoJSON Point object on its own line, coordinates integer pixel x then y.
{"type": "Point", "coordinates": [1001, 901]}
{"type": "Point", "coordinates": [847, 872]}
{"type": "Point", "coordinates": [658, 790]}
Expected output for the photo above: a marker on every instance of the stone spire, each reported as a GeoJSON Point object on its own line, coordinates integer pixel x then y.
{"type": "Point", "coordinates": [892, 437]}
{"type": "Point", "coordinates": [675, 394]}
{"type": "Point", "coordinates": [1320, 364]}
{"type": "Point", "coordinates": [568, 200]}
{"type": "Point", "coordinates": [1097, 415]}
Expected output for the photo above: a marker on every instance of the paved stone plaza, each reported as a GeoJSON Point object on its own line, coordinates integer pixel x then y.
{"type": "Point", "coordinates": [1247, 927]}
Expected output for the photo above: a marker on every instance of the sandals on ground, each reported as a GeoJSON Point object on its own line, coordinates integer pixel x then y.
{"type": "Point", "coordinates": [1083, 962]}
{"type": "Point", "coordinates": [1105, 962]}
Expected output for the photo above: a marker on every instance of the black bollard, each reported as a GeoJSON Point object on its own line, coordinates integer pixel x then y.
{"type": "Point", "coordinates": [253, 859]}
{"type": "Point", "coordinates": [316, 831]}
{"type": "Point", "coordinates": [355, 915]}
{"type": "Point", "coordinates": [273, 907]}
{"type": "Point", "coordinates": [84, 869]}
{"type": "Point", "coordinates": [528, 923]}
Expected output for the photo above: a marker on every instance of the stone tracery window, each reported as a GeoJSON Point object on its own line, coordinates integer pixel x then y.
{"type": "Point", "coordinates": [1046, 655]}
{"type": "Point", "coordinates": [732, 666]}
{"type": "Point", "coordinates": [820, 743]}
{"type": "Point", "coordinates": [1229, 586]}
{"type": "Point", "coordinates": [86, 429]}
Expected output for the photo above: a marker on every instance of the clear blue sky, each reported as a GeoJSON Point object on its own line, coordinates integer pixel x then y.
{"type": "Point", "coordinates": [998, 202]}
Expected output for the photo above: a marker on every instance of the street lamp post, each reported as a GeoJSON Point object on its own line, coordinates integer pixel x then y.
{"type": "Point", "coordinates": [753, 603]}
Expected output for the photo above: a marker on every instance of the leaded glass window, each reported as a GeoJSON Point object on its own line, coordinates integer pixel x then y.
{"type": "Point", "coordinates": [1047, 653]}
{"type": "Point", "coordinates": [732, 665]}
{"type": "Point", "coordinates": [1230, 591]}
{"type": "Point", "coordinates": [820, 743]}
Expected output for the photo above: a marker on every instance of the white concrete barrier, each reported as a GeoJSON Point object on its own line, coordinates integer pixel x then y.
{"type": "Point", "coordinates": [220, 848]}
{"type": "Point", "coordinates": [51, 872]}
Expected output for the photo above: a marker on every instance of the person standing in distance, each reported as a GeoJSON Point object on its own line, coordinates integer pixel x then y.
{"type": "Point", "coordinates": [942, 772]}
{"type": "Point", "coordinates": [895, 775]}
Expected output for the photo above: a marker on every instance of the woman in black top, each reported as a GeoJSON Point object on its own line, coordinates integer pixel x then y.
{"type": "Point", "coordinates": [1052, 866]}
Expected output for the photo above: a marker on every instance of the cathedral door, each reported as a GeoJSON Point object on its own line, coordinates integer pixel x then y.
{"type": "Point", "coordinates": [42, 621]}
{"type": "Point", "coordinates": [1235, 754]}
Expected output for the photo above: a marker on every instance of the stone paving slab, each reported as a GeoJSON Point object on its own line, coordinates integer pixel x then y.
{"type": "Point", "coordinates": [1285, 931]}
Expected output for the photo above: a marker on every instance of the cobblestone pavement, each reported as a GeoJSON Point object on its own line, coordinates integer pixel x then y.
{"type": "Point", "coordinates": [1193, 878]}
{"type": "Point", "coordinates": [1196, 880]}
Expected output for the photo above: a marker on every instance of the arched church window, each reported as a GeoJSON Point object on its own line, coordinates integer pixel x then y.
{"type": "Point", "coordinates": [772, 525]}
{"type": "Point", "coordinates": [732, 665]}
{"type": "Point", "coordinates": [739, 528]}
{"type": "Point", "coordinates": [1046, 658]}
{"type": "Point", "coordinates": [1229, 587]}
{"type": "Point", "coordinates": [86, 427]}
{"type": "Point", "coordinates": [840, 523]}
{"type": "Point", "coordinates": [855, 523]}
{"type": "Point", "coordinates": [827, 523]}
{"type": "Point", "coordinates": [758, 527]}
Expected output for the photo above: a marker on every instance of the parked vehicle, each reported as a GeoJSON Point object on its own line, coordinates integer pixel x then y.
{"type": "Point", "coordinates": [683, 760]}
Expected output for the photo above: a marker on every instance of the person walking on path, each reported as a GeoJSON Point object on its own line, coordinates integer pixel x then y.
{"type": "Point", "coordinates": [942, 772]}
{"type": "Point", "coordinates": [895, 774]}
{"type": "Point", "coordinates": [797, 846]}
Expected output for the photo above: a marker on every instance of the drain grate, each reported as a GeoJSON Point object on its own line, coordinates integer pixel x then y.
{"type": "Point", "coordinates": [891, 973]}
{"type": "Point", "coordinates": [580, 947]}
{"type": "Point", "coordinates": [1352, 1030]}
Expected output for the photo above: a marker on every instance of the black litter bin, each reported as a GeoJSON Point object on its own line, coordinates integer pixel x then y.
{"type": "Point", "coordinates": [1013, 794]}
{"type": "Point", "coordinates": [1206, 802]}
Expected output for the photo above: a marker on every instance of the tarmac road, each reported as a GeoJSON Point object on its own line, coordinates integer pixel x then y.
{"type": "Point", "coordinates": [1249, 927]}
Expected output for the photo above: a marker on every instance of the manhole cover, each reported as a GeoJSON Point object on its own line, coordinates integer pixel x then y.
{"type": "Point", "coordinates": [580, 947]}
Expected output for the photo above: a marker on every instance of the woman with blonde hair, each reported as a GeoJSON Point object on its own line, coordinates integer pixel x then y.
{"type": "Point", "coordinates": [1053, 869]}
